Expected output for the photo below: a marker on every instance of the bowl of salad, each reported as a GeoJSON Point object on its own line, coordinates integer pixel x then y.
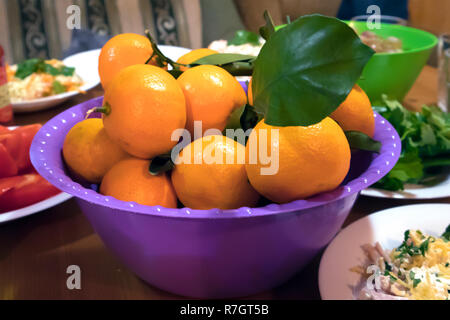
{"type": "Point", "coordinates": [401, 53]}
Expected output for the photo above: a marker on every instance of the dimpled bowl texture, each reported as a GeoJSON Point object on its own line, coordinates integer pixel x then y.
{"type": "Point", "coordinates": [213, 253]}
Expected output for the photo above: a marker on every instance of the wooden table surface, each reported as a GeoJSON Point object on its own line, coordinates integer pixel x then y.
{"type": "Point", "coordinates": [35, 251]}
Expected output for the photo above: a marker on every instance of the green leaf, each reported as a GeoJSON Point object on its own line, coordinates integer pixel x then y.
{"type": "Point", "coordinates": [31, 66]}
{"type": "Point", "coordinates": [161, 164]}
{"type": "Point", "coordinates": [243, 37]}
{"type": "Point", "coordinates": [425, 139]}
{"type": "Point", "coordinates": [306, 70]}
{"type": "Point", "coordinates": [268, 29]}
{"type": "Point", "coordinates": [67, 71]}
{"type": "Point", "coordinates": [409, 167]}
{"type": "Point", "coordinates": [27, 68]}
{"type": "Point", "coordinates": [361, 141]}
{"type": "Point", "coordinates": [58, 87]}
{"type": "Point", "coordinates": [46, 68]}
{"type": "Point", "coordinates": [175, 73]}
{"type": "Point", "coordinates": [446, 234]}
{"type": "Point", "coordinates": [436, 162]}
{"type": "Point", "coordinates": [249, 118]}
{"type": "Point", "coordinates": [234, 119]}
{"type": "Point", "coordinates": [239, 68]}
{"type": "Point", "coordinates": [219, 59]}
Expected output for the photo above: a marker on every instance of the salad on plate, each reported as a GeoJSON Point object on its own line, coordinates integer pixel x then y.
{"type": "Point", "coordinates": [419, 269]}
{"type": "Point", "coordinates": [37, 78]}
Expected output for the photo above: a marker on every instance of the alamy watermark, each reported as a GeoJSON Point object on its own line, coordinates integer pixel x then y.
{"type": "Point", "coordinates": [261, 150]}
{"type": "Point", "coordinates": [74, 280]}
{"type": "Point", "coordinates": [74, 19]}
{"type": "Point", "coordinates": [374, 19]}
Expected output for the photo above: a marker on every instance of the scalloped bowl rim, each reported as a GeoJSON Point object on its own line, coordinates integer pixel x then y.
{"type": "Point", "coordinates": [379, 167]}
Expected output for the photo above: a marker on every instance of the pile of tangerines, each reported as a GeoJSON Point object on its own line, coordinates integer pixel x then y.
{"type": "Point", "coordinates": [145, 107]}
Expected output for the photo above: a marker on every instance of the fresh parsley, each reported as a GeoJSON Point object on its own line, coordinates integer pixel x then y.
{"type": "Point", "coordinates": [58, 87]}
{"type": "Point", "coordinates": [30, 66]}
{"type": "Point", "coordinates": [425, 139]}
{"type": "Point", "coordinates": [446, 234]}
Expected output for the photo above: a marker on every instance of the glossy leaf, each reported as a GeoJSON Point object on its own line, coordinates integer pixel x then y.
{"type": "Point", "coordinates": [306, 69]}
{"type": "Point", "coordinates": [219, 59]}
{"type": "Point", "coordinates": [361, 141]}
{"type": "Point", "coordinates": [249, 118]}
{"type": "Point", "coordinates": [161, 164]}
{"type": "Point", "coordinates": [30, 66]}
{"type": "Point", "coordinates": [268, 29]}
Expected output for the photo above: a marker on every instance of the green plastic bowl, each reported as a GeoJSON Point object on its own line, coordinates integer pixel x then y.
{"type": "Point", "coordinates": [395, 73]}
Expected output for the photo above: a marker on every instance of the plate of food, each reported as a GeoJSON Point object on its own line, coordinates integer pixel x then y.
{"type": "Point", "coordinates": [423, 171]}
{"type": "Point", "coordinates": [38, 84]}
{"type": "Point", "coordinates": [22, 190]}
{"type": "Point", "coordinates": [400, 253]}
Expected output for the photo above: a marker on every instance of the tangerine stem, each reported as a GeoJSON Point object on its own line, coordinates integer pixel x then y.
{"type": "Point", "coordinates": [158, 53]}
{"type": "Point", "coordinates": [105, 109]}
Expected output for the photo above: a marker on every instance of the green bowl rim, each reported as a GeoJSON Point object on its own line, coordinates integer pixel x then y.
{"type": "Point", "coordinates": [398, 26]}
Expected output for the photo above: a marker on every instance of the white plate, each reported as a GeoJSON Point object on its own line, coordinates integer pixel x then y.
{"type": "Point", "coordinates": [86, 66]}
{"type": "Point", "coordinates": [173, 52]}
{"type": "Point", "coordinates": [415, 191]}
{"type": "Point", "coordinates": [34, 208]}
{"type": "Point", "coordinates": [336, 281]}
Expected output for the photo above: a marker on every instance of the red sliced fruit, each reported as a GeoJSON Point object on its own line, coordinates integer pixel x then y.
{"type": "Point", "coordinates": [4, 129]}
{"type": "Point", "coordinates": [8, 167]}
{"type": "Point", "coordinates": [12, 142]}
{"type": "Point", "coordinates": [21, 191]}
{"type": "Point", "coordinates": [27, 134]}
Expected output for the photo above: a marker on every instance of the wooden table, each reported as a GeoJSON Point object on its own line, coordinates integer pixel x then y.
{"type": "Point", "coordinates": [36, 251]}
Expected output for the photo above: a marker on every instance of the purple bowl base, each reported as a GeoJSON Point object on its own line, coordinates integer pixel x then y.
{"type": "Point", "coordinates": [241, 258]}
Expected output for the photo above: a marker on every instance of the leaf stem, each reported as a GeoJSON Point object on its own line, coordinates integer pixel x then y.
{"type": "Point", "coordinates": [105, 109]}
{"type": "Point", "coordinates": [160, 57]}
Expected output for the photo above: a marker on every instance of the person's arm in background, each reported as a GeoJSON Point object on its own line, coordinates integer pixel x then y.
{"type": "Point", "coordinates": [432, 17]}
{"type": "Point", "coordinates": [251, 12]}
{"type": "Point", "coordinates": [220, 20]}
{"type": "Point", "coordinates": [297, 8]}
{"type": "Point", "coordinates": [352, 8]}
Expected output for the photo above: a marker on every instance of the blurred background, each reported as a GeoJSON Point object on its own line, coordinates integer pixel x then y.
{"type": "Point", "coordinates": [37, 28]}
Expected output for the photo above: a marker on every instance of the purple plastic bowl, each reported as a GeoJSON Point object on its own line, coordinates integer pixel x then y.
{"type": "Point", "coordinates": [213, 253]}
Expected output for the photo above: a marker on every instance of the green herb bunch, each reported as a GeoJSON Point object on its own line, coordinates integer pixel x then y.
{"type": "Point", "coordinates": [425, 137]}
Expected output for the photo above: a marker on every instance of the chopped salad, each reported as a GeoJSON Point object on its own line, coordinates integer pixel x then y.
{"type": "Point", "coordinates": [38, 78]}
{"type": "Point", "coordinates": [419, 269]}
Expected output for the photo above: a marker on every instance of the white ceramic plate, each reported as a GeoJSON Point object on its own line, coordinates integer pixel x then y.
{"type": "Point", "coordinates": [336, 281]}
{"type": "Point", "coordinates": [415, 191]}
{"type": "Point", "coordinates": [86, 66]}
{"type": "Point", "coordinates": [35, 207]}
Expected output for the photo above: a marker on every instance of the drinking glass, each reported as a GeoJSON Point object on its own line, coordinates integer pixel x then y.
{"type": "Point", "coordinates": [444, 72]}
{"type": "Point", "coordinates": [383, 19]}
